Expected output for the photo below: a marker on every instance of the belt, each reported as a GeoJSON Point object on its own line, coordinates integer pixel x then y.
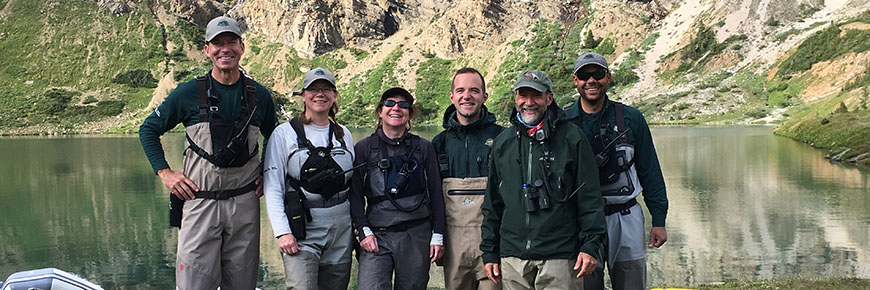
{"type": "Point", "coordinates": [324, 203]}
{"type": "Point", "coordinates": [615, 208]}
{"type": "Point", "coordinates": [225, 194]}
{"type": "Point", "coordinates": [401, 227]}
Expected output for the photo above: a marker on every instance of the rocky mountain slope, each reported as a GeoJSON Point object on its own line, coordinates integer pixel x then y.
{"type": "Point", "coordinates": [102, 65]}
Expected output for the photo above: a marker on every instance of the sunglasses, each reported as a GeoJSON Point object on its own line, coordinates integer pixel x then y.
{"type": "Point", "coordinates": [402, 104]}
{"type": "Point", "coordinates": [598, 75]}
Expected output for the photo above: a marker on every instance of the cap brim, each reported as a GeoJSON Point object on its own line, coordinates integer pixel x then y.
{"type": "Point", "coordinates": [222, 32]}
{"type": "Point", "coordinates": [534, 86]}
{"type": "Point", "coordinates": [306, 85]}
{"type": "Point", "coordinates": [397, 91]}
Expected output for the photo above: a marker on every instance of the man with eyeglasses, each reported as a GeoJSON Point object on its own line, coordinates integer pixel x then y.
{"type": "Point", "coordinates": [215, 197]}
{"type": "Point", "coordinates": [628, 165]}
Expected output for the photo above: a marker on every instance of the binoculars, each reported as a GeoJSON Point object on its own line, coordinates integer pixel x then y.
{"type": "Point", "coordinates": [536, 195]}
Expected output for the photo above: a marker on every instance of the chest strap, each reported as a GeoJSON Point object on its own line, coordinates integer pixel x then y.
{"type": "Point", "coordinates": [226, 194]}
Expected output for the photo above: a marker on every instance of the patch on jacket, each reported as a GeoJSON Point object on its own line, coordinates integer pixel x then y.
{"type": "Point", "coordinates": [488, 142]}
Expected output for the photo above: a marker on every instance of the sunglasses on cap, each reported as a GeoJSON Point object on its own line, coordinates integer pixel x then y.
{"type": "Point", "coordinates": [402, 104]}
{"type": "Point", "coordinates": [598, 75]}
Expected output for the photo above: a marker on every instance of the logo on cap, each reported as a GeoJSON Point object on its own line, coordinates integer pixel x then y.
{"type": "Point", "coordinates": [223, 23]}
{"type": "Point", "coordinates": [530, 75]}
{"type": "Point", "coordinates": [319, 72]}
{"type": "Point", "coordinates": [589, 56]}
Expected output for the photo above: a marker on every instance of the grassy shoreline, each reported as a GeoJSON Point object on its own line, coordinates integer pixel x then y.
{"type": "Point", "coordinates": [799, 283]}
{"type": "Point", "coordinates": [845, 135]}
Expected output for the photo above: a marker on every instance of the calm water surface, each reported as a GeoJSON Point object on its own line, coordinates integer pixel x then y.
{"type": "Point", "coordinates": [744, 204]}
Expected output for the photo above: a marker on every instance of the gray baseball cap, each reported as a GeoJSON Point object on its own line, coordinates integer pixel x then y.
{"type": "Point", "coordinates": [590, 58]}
{"type": "Point", "coordinates": [316, 74]}
{"type": "Point", "coordinates": [534, 79]}
{"type": "Point", "coordinates": [220, 25]}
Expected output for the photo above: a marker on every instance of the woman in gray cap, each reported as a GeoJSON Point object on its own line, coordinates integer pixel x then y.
{"type": "Point", "coordinates": [307, 176]}
{"type": "Point", "coordinates": [396, 201]}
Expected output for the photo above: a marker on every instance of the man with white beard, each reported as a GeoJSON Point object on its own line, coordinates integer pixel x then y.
{"type": "Point", "coordinates": [543, 218]}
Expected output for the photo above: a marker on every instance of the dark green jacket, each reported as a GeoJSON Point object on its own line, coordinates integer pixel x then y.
{"type": "Point", "coordinates": [466, 146]}
{"type": "Point", "coordinates": [181, 106]}
{"type": "Point", "coordinates": [649, 172]}
{"type": "Point", "coordinates": [566, 228]}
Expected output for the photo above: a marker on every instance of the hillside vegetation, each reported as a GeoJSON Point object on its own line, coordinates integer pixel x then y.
{"type": "Point", "coordinates": [71, 66]}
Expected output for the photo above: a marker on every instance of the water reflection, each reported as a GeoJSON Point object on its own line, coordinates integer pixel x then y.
{"type": "Point", "coordinates": [744, 204]}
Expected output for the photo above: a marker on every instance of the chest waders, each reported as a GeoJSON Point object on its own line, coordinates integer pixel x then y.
{"type": "Point", "coordinates": [397, 186]}
{"type": "Point", "coordinates": [615, 160]}
{"type": "Point", "coordinates": [320, 175]}
{"type": "Point", "coordinates": [230, 169]}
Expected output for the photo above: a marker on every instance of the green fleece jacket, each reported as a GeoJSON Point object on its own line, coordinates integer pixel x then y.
{"type": "Point", "coordinates": [649, 172]}
{"type": "Point", "coordinates": [466, 146]}
{"type": "Point", "coordinates": [574, 222]}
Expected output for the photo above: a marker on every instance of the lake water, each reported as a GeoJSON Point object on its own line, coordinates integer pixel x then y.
{"type": "Point", "coordinates": [744, 204]}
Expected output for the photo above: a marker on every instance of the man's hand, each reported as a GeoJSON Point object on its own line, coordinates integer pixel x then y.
{"type": "Point", "coordinates": [585, 263]}
{"type": "Point", "coordinates": [259, 182]}
{"type": "Point", "coordinates": [435, 253]}
{"type": "Point", "coordinates": [492, 272]}
{"type": "Point", "coordinates": [370, 244]}
{"type": "Point", "coordinates": [657, 236]}
{"type": "Point", "coordinates": [287, 244]}
{"type": "Point", "coordinates": [177, 183]}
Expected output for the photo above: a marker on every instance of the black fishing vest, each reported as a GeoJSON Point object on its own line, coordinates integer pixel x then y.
{"type": "Point", "coordinates": [403, 176]}
{"type": "Point", "coordinates": [229, 137]}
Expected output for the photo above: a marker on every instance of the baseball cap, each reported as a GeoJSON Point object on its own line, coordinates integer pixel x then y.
{"type": "Point", "coordinates": [534, 79]}
{"type": "Point", "coordinates": [590, 58]}
{"type": "Point", "coordinates": [316, 74]}
{"type": "Point", "coordinates": [220, 25]}
{"type": "Point", "coordinates": [397, 91]}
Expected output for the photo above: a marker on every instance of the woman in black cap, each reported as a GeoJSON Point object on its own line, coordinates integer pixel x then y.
{"type": "Point", "coordinates": [307, 179]}
{"type": "Point", "coordinates": [396, 202]}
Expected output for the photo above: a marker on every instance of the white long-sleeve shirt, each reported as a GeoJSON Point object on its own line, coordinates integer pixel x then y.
{"type": "Point", "coordinates": [277, 165]}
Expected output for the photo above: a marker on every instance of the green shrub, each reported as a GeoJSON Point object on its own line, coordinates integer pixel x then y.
{"type": "Point", "coordinates": [606, 47]}
{"type": "Point", "coordinates": [89, 100]}
{"type": "Point", "coordinates": [138, 78]}
{"type": "Point", "coordinates": [824, 45]}
{"type": "Point", "coordinates": [358, 54]}
{"type": "Point", "coordinates": [53, 102]}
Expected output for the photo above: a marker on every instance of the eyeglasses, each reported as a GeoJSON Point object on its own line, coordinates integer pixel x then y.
{"type": "Point", "coordinates": [402, 104]}
{"type": "Point", "coordinates": [598, 75]}
{"type": "Point", "coordinates": [321, 90]}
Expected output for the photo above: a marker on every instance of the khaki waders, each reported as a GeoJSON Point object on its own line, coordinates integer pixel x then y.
{"type": "Point", "coordinates": [463, 264]}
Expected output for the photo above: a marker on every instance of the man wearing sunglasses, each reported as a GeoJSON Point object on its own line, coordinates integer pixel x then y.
{"type": "Point", "coordinates": [627, 165]}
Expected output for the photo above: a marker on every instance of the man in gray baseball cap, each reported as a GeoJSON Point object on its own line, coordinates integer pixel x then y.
{"type": "Point", "coordinates": [541, 177]}
{"type": "Point", "coordinates": [630, 143]}
{"type": "Point", "coordinates": [215, 196]}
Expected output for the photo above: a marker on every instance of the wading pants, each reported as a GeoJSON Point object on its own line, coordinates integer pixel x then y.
{"type": "Point", "coordinates": [405, 252]}
{"type": "Point", "coordinates": [324, 257]}
{"type": "Point", "coordinates": [218, 243]}
{"type": "Point", "coordinates": [463, 265]}
{"type": "Point", "coordinates": [626, 262]}
{"type": "Point", "coordinates": [553, 274]}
